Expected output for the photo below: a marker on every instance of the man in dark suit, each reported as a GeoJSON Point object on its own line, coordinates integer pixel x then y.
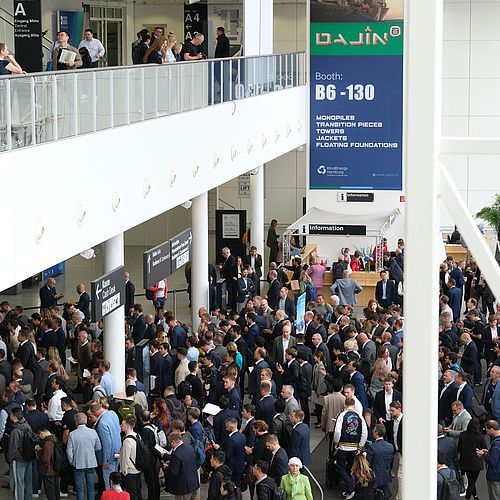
{"type": "Point", "coordinates": [235, 451]}
{"type": "Point", "coordinates": [285, 303]}
{"type": "Point", "coordinates": [320, 346]}
{"type": "Point", "coordinates": [254, 260]}
{"type": "Point", "coordinates": [248, 413]}
{"type": "Point", "coordinates": [380, 455]}
{"type": "Point", "coordinates": [381, 410]}
{"type": "Point", "coordinates": [455, 299]}
{"type": "Point", "coordinates": [273, 294]}
{"type": "Point", "coordinates": [300, 440]}
{"type": "Point", "coordinates": [265, 407]}
{"type": "Point", "coordinates": [83, 301]}
{"type": "Point", "coordinates": [395, 437]}
{"type": "Point", "coordinates": [182, 472]}
{"type": "Point", "coordinates": [278, 466]}
{"type": "Point", "coordinates": [254, 376]}
{"type": "Point", "coordinates": [155, 366]}
{"type": "Point", "coordinates": [253, 330]}
{"type": "Point", "coordinates": [319, 320]}
{"type": "Point", "coordinates": [49, 295]}
{"type": "Point", "coordinates": [282, 343]}
{"type": "Point", "coordinates": [129, 353]}
{"type": "Point", "coordinates": [465, 392]}
{"type": "Point", "coordinates": [129, 295]}
{"type": "Point", "coordinates": [150, 332]}
{"type": "Point", "coordinates": [291, 371]}
{"type": "Point", "coordinates": [220, 432]}
{"type": "Point", "coordinates": [167, 367]}
{"type": "Point", "coordinates": [367, 349]}
{"type": "Point", "coordinates": [447, 448]}
{"type": "Point", "coordinates": [139, 328]}
{"type": "Point", "coordinates": [309, 328]}
{"type": "Point", "coordinates": [470, 358]}
{"type": "Point", "coordinates": [358, 381]}
{"type": "Point", "coordinates": [26, 351]}
{"type": "Point", "coordinates": [447, 396]}
{"type": "Point", "coordinates": [385, 291]}
{"type": "Point", "coordinates": [246, 289]}
{"type": "Point", "coordinates": [229, 272]}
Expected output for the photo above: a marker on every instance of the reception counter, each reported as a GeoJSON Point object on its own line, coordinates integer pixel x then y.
{"type": "Point", "coordinates": [367, 280]}
{"type": "Point", "coordinates": [458, 252]}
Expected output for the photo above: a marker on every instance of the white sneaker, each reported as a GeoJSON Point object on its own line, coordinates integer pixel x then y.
{"type": "Point", "coordinates": [35, 495]}
{"type": "Point", "coordinates": [350, 495]}
{"type": "Point", "coordinates": [63, 495]}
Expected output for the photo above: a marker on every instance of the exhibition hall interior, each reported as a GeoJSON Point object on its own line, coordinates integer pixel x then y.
{"type": "Point", "coordinates": [332, 164]}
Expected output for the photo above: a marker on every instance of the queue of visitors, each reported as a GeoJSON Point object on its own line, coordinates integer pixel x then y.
{"type": "Point", "coordinates": [229, 404]}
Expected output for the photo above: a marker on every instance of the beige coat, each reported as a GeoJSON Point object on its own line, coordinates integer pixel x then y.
{"type": "Point", "coordinates": [333, 405]}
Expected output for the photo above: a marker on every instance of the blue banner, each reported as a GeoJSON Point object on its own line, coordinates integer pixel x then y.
{"type": "Point", "coordinates": [301, 310]}
{"type": "Point", "coordinates": [356, 122]}
{"type": "Point", "coordinates": [54, 271]}
{"type": "Point", "coordinates": [72, 22]}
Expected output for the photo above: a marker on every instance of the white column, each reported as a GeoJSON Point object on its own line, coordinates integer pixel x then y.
{"type": "Point", "coordinates": [114, 331]}
{"type": "Point", "coordinates": [423, 78]}
{"type": "Point", "coordinates": [257, 211]}
{"type": "Point", "coordinates": [199, 260]}
{"type": "Point", "coordinates": [257, 27]}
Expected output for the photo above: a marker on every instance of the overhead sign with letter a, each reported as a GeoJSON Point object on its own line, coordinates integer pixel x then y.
{"type": "Point", "coordinates": [28, 34]}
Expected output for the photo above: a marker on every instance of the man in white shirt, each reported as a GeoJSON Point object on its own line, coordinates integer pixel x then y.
{"type": "Point", "coordinates": [54, 410]}
{"type": "Point", "coordinates": [128, 452]}
{"type": "Point", "coordinates": [94, 46]}
{"type": "Point", "coordinates": [349, 394]}
{"type": "Point", "coordinates": [182, 371]}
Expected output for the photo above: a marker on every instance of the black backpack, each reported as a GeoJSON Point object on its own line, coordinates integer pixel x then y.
{"type": "Point", "coordinates": [86, 59]}
{"type": "Point", "coordinates": [142, 457]}
{"type": "Point", "coordinates": [451, 487]}
{"type": "Point", "coordinates": [60, 459]}
{"type": "Point", "coordinates": [30, 440]}
{"type": "Point", "coordinates": [277, 492]}
{"type": "Point", "coordinates": [149, 294]}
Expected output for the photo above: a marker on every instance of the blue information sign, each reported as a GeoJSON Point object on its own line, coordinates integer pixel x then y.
{"type": "Point", "coordinates": [356, 122]}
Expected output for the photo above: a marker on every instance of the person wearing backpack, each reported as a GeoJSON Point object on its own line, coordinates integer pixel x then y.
{"type": "Point", "coordinates": [129, 459]}
{"type": "Point", "coordinates": [48, 463]}
{"type": "Point", "coordinates": [264, 485]}
{"type": "Point", "coordinates": [448, 487]}
{"type": "Point", "coordinates": [149, 435]}
{"type": "Point", "coordinates": [19, 456]}
{"type": "Point", "coordinates": [219, 474]}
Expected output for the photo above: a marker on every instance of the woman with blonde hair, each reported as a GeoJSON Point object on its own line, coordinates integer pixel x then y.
{"type": "Point", "coordinates": [317, 273]}
{"type": "Point", "coordinates": [363, 482]}
{"type": "Point", "coordinates": [53, 356]}
{"type": "Point", "coordinates": [231, 346]}
{"type": "Point", "coordinates": [351, 349]}
{"type": "Point", "coordinates": [379, 373]}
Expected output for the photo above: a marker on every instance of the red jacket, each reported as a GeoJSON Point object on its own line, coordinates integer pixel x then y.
{"type": "Point", "coordinates": [112, 494]}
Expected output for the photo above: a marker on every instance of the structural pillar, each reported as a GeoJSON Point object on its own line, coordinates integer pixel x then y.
{"type": "Point", "coordinates": [423, 134]}
{"type": "Point", "coordinates": [199, 261]}
{"type": "Point", "coordinates": [114, 332]}
{"type": "Point", "coordinates": [257, 211]}
{"type": "Point", "coordinates": [257, 27]}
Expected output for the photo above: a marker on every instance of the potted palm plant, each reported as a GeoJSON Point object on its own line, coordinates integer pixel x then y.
{"type": "Point", "coordinates": [492, 216]}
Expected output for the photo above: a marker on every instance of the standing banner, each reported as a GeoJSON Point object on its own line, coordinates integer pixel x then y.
{"type": "Point", "coordinates": [356, 120]}
{"type": "Point", "coordinates": [301, 310]}
{"type": "Point", "coordinates": [73, 23]}
{"type": "Point", "coordinates": [28, 34]}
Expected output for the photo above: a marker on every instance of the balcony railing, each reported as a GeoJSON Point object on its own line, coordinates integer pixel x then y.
{"type": "Point", "coordinates": [44, 107]}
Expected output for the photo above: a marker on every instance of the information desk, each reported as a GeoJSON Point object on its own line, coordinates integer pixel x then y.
{"type": "Point", "coordinates": [458, 252]}
{"type": "Point", "coordinates": [367, 280]}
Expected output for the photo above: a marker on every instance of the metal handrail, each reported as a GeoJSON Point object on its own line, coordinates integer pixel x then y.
{"type": "Point", "coordinates": [47, 106]}
{"type": "Point", "coordinates": [135, 66]}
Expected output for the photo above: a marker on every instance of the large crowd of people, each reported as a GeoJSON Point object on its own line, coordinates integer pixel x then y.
{"type": "Point", "coordinates": [231, 403]}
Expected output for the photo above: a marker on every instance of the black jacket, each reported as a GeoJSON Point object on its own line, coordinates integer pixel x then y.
{"type": "Point", "coordinates": [182, 472]}
{"type": "Point", "coordinates": [84, 304]}
{"type": "Point", "coordinates": [279, 465]}
{"type": "Point", "coordinates": [265, 489]}
{"type": "Point", "coordinates": [379, 403]}
{"type": "Point", "coordinates": [222, 48]}
{"type": "Point", "coordinates": [219, 475]}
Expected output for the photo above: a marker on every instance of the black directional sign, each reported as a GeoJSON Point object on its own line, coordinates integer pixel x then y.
{"type": "Point", "coordinates": [329, 229]}
{"type": "Point", "coordinates": [108, 293]}
{"type": "Point", "coordinates": [180, 249]}
{"type": "Point", "coordinates": [157, 264]}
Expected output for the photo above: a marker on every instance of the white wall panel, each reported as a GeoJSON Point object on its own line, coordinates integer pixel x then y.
{"type": "Point", "coordinates": [121, 166]}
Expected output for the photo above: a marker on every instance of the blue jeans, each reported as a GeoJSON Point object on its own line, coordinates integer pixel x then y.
{"type": "Point", "coordinates": [107, 472]}
{"type": "Point", "coordinates": [20, 480]}
{"type": "Point", "coordinates": [159, 303]}
{"type": "Point", "coordinates": [80, 476]}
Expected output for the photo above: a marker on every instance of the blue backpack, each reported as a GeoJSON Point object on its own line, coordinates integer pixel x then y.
{"type": "Point", "coordinates": [200, 454]}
